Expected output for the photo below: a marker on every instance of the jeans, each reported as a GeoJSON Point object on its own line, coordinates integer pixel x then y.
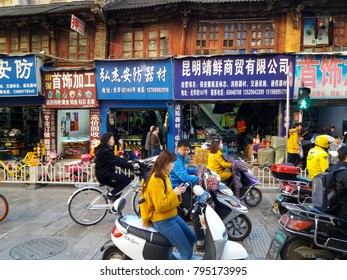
{"type": "Point", "coordinates": [155, 152]}
{"type": "Point", "coordinates": [179, 234]}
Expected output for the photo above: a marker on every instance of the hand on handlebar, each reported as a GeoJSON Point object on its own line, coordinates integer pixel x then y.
{"type": "Point", "coordinates": [136, 166]}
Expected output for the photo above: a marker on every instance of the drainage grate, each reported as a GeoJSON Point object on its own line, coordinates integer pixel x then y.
{"type": "Point", "coordinates": [38, 249]}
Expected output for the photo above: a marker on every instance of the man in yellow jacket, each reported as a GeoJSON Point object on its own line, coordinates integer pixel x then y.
{"type": "Point", "coordinates": [294, 144]}
{"type": "Point", "coordinates": [317, 158]}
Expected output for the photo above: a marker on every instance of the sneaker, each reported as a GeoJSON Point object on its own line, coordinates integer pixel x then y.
{"type": "Point", "coordinates": [111, 197]}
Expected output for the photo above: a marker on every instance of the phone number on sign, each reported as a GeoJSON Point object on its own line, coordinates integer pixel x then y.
{"type": "Point", "coordinates": [220, 270]}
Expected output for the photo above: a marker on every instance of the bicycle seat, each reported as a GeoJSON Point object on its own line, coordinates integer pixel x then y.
{"type": "Point", "coordinates": [133, 224]}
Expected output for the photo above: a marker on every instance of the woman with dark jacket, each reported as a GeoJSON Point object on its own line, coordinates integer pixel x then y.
{"type": "Point", "coordinates": [105, 166]}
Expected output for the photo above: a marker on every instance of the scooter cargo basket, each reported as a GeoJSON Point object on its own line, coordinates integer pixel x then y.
{"type": "Point", "coordinates": [284, 171]}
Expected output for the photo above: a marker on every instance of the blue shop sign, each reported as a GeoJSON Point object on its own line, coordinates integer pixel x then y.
{"type": "Point", "coordinates": [134, 80]}
{"type": "Point", "coordinates": [233, 77]}
{"type": "Point", "coordinates": [19, 76]}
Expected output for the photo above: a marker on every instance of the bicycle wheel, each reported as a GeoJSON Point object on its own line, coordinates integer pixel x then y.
{"type": "Point", "coordinates": [135, 202]}
{"type": "Point", "coordinates": [3, 207]}
{"type": "Point", "coordinates": [81, 206]}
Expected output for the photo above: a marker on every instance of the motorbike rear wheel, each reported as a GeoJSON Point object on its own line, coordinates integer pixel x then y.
{"type": "Point", "coordinates": [288, 251]}
{"type": "Point", "coordinates": [113, 253]}
{"type": "Point", "coordinates": [239, 228]}
{"type": "Point", "coordinates": [253, 197]}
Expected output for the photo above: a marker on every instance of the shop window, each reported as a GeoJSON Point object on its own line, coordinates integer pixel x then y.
{"type": "Point", "coordinates": [238, 38]}
{"type": "Point", "coordinates": [78, 46]}
{"type": "Point", "coordinates": [133, 44]}
{"type": "Point", "coordinates": [158, 45]}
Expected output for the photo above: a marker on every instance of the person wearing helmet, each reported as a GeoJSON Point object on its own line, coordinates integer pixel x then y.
{"type": "Point", "coordinates": [318, 158]}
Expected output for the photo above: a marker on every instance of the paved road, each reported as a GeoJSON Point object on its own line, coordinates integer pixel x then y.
{"type": "Point", "coordinates": [38, 226]}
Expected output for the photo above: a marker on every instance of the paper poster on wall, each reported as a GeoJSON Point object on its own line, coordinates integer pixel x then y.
{"type": "Point", "coordinates": [309, 32]}
{"type": "Point", "coordinates": [74, 122]}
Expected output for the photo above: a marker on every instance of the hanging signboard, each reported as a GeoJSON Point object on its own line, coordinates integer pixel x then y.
{"type": "Point", "coordinates": [77, 25]}
{"type": "Point", "coordinates": [134, 80]}
{"type": "Point", "coordinates": [70, 89]}
{"type": "Point", "coordinates": [325, 75]}
{"type": "Point", "coordinates": [20, 76]}
{"type": "Point", "coordinates": [232, 77]}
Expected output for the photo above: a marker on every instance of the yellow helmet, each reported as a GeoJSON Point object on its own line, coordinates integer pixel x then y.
{"type": "Point", "coordinates": [322, 141]}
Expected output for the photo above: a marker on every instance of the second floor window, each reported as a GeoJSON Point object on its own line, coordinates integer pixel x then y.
{"type": "Point", "coordinates": [237, 38]}
{"type": "Point", "coordinates": [78, 46]}
{"type": "Point", "coordinates": [133, 44]}
{"type": "Point", "coordinates": [2, 41]}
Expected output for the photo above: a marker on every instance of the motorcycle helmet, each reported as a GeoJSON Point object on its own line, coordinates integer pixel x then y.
{"type": "Point", "coordinates": [322, 141]}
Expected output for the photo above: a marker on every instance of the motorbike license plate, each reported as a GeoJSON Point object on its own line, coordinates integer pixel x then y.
{"type": "Point", "coordinates": [276, 245]}
{"type": "Point", "coordinates": [275, 206]}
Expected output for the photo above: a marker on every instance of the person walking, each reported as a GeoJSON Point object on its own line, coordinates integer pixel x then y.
{"type": "Point", "coordinates": [163, 201]}
{"type": "Point", "coordinates": [334, 147]}
{"type": "Point", "coordinates": [155, 142]}
{"type": "Point", "coordinates": [294, 144]}
{"type": "Point", "coordinates": [148, 141]}
{"type": "Point", "coordinates": [317, 158]}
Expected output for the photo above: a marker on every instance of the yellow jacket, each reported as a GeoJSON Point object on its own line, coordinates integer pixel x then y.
{"type": "Point", "coordinates": [163, 204]}
{"type": "Point", "coordinates": [317, 161]}
{"type": "Point", "coordinates": [218, 164]}
{"type": "Point", "coordinates": [293, 141]}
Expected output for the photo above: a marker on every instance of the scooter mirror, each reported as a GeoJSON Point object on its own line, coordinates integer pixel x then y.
{"type": "Point", "coordinates": [198, 190]}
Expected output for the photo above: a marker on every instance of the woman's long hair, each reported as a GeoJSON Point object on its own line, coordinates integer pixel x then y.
{"type": "Point", "coordinates": [165, 157]}
{"type": "Point", "coordinates": [106, 137]}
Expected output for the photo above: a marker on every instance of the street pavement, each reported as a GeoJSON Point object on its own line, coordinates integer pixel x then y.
{"type": "Point", "coordinates": [38, 226]}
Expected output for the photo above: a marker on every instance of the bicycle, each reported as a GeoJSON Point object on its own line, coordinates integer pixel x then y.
{"type": "Point", "coordinates": [89, 204]}
{"type": "Point", "coordinates": [3, 207]}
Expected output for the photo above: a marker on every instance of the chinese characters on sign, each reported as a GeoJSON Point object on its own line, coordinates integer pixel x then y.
{"type": "Point", "coordinates": [18, 76]}
{"type": "Point", "coordinates": [177, 122]}
{"type": "Point", "coordinates": [49, 130]}
{"type": "Point", "coordinates": [241, 77]}
{"type": "Point", "coordinates": [130, 80]}
{"type": "Point", "coordinates": [325, 75]}
{"type": "Point", "coordinates": [77, 25]}
{"type": "Point", "coordinates": [94, 126]}
{"type": "Point", "coordinates": [65, 89]}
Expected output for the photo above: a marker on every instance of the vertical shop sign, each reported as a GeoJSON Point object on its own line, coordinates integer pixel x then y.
{"type": "Point", "coordinates": [249, 77]}
{"type": "Point", "coordinates": [177, 123]}
{"type": "Point", "coordinates": [66, 89]}
{"type": "Point", "coordinates": [325, 75]}
{"type": "Point", "coordinates": [49, 130]}
{"type": "Point", "coordinates": [94, 126]}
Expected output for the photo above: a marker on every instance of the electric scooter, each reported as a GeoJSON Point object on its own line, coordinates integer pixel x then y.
{"type": "Point", "coordinates": [130, 239]}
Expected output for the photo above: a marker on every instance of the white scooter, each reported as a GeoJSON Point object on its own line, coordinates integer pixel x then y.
{"type": "Point", "coordinates": [131, 240]}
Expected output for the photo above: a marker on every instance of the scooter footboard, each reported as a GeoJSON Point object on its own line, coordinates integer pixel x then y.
{"type": "Point", "coordinates": [234, 251]}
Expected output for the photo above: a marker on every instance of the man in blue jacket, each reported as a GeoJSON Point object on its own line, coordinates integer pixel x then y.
{"type": "Point", "coordinates": [181, 173]}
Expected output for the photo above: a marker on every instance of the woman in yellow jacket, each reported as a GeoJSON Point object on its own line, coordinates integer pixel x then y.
{"type": "Point", "coordinates": [163, 201]}
{"type": "Point", "coordinates": [317, 158]}
{"type": "Point", "coordinates": [217, 163]}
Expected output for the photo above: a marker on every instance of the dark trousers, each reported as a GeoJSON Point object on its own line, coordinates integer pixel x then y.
{"type": "Point", "coordinates": [294, 158]}
{"type": "Point", "coordinates": [117, 182]}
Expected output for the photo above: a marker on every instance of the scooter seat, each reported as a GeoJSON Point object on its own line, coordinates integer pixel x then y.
{"type": "Point", "coordinates": [133, 225]}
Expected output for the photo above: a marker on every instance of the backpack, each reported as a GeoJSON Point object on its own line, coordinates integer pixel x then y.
{"type": "Point", "coordinates": [324, 191]}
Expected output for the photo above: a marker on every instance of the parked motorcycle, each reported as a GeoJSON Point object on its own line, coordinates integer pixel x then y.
{"type": "Point", "coordinates": [229, 208]}
{"type": "Point", "coordinates": [131, 240]}
{"type": "Point", "coordinates": [292, 189]}
{"type": "Point", "coordinates": [307, 233]}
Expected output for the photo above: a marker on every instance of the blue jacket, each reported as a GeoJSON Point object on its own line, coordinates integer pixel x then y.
{"type": "Point", "coordinates": [180, 173]}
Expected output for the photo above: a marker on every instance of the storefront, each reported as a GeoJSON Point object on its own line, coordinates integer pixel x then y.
{"type": "Point", "coordinates": [233, 98]}
{"type": "Point", "coordinates": [133, 96]}
{"type": "Point", "coordinates": [21, 105]}
{"type": "Point", "coordinates": [71, 111]}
